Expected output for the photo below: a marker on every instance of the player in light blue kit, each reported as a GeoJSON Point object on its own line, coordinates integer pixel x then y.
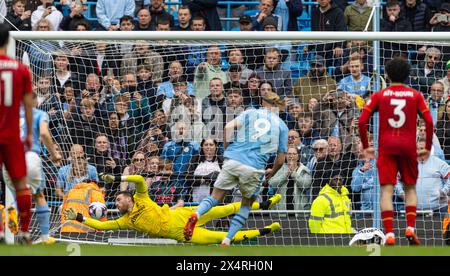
{"type": "Point", "coordinates": [35, 173]}
{"type": "Point", "coordinates": [260, 134]}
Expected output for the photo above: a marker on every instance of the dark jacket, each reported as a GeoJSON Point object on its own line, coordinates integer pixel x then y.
{"type": "Point", "coordinates": [332, 20]}
{"type": "Point", "coordinates": [400, 25]}
{"type": "Point", "coordinates": [156, 15]}
{"type": "Point", "coordinates": [208, 10]}
{"type": "Point", "coordinates": [69, 23]}
{"type": "Point", "coordinates": [418, 16]}
{"type": "Point", "coordinates": [16, 22]}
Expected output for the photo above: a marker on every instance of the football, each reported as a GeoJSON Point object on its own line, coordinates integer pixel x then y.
{"type": "Point", "coordinates": [97, 210]}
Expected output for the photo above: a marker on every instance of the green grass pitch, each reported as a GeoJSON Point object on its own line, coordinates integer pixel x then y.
{"type": "Point", "coordinates": [62, 249]}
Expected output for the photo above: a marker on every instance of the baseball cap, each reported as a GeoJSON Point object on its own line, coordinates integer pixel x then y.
{"type": "Point", "coordinates": [318, 59]}
{"type": "Point", "coordinates": [274, 99]}
{"type": "Point", "coordinates": [245, 19]}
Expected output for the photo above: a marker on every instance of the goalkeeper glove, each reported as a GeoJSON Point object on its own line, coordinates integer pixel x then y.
{"type": "Point", "coordinates": [109, 178]}
{"type": "Point", "coordinates": [70, 214]}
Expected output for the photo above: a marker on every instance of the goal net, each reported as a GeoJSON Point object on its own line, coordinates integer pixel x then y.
{"type": "Point", "coordinates": [158, 108]}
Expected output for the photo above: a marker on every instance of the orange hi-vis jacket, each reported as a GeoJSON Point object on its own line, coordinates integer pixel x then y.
{"type": "Point", "coordinates": [79, 198]}
{"type": "Point", "coordinates": [446, 220]}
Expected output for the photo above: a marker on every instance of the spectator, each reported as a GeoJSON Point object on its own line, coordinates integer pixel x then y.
{"type": "Point", "coordinates": [235, 104]}
{"type": "Point", "coordinates": [209, 165]}
{"type": "Point", "coordinates": [141, 54]}
{"type": "Point", "coordinates": [164, 190]}
{"type": "Point", "coordinates": [47, 11]}
{"type": "Point", "coordinates": [138, 166]}
{"type": "Point", "coordinates": [175, 73]}
{"type": "Point", "coordinates": [144, 21]}
{"type": "Point", "coordinates": [436, 101]}
{"type": "Point", "coordinates": [356, 49]}
{"type": "Point", "coordinates": [393, 21]}
{"type": "Point", "coordinates": [330, 210]}
{"type": "Point", "coordinates": [75, 18]}
{"type": "Point", "coordinates": [234, 75]}
{"type": "Point", "coordinates": [418, 14]}
{"type": "Point", "coordinates": [79, 198]}
{"type": "Point", "coordinates": [208, 70]}
{"type": "Point", "coordinates": [158, 12]}
{"type": "Point", "coordinates": [214, 110]}
{"type": "Point", "coordinates": [78, 170]}
{"type": "Point", "coordinates": [316, 84]}
{"type": "Point", "coordinates": [245, 23]}
{"type": "Point", "coordinates": [109, 13]}
{"type": "Point", "coordinates": [288, 11]}
{"type": "Point", "coordinates": [305, 126]}
{"type": "Point", "coordinates": [184, 19]}
{"type": "Point", "coordinates": [428, 71]}
{"type": "Point", "coordinates": [433, 186]}
{"type": "Point", "coordinates": [19, 18]}
{"type": "Point", "coordinates": [440, 21]}
{"type": "Point", "coordinates": [363, 180]}
{"type": "Point", "coordinates": [320, 148]}
{"type": "Point", "coordinates": [236, 57]}
{"type": "Point", "coordinates": [138, 104]}
{"type": "Point", "coordinates": [271, 71]}
{"type": "Point", "coordinates": [145, 84]}
{"type": "Point", "coordinates": [84, 127]}
{"type": "Point", "coordinates": [292, 181]}
{"type": "Point", "coordinates": [266, 8]}
{"type": "Point", "coordinates": [172, 106]}
{"type": "Point", "coordinates": [357, 16]}
{"type": "Point", "coordinates": [3, 11]}
{"type": "Point", "coordinates": [446, 80]}
{"type": "Point", "coordinates": [357, 84]}
{"type": "Point", "coordinates": [117, 135]}
{"type": "Point", "coordinates": [443, 130]}
{"type": "Point", "coordinates": [305, 152]}
{"type": "Point", "coordinates": [62, 72]}
{"type": "Point", "coordinates": [179, 150]}
{"type": "Point", "coordinates": [208, 10]}
{"type": "Point", "coordinates": [436, 148]}
{"type": "Point", "coordinates": [163, 25]}
{"type": "Point", "coordinates": [151, 142]}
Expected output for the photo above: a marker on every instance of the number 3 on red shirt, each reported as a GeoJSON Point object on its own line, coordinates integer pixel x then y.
{"type": "Point", "coordinates": [399, 105]}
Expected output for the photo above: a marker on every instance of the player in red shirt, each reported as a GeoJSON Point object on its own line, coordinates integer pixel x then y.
{"type": "Point", "coordinates": [15, 87]}
{"type": "Point", "coordinates": [398, 106]}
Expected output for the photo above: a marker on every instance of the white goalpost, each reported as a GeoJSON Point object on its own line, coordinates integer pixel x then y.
{"type": "Point", "coordinates": [107, 69]}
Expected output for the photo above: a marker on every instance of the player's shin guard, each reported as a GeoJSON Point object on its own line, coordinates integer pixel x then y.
{"type": "Point", "coordinates": [410, 216]}
{"type": "Point", "coordinates": [206, 204]}
{"type": "Point", "coordinates": [238, 221]}
{"type": "Point", "coordinates": [23, 198]}
{"type": "Point", "coordinates": [43, 217]}
{"type": "Point", "coordinates": [388, 221]}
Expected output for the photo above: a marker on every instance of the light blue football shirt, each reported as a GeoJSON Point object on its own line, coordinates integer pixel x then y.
{"type": "Point", "coordinates": [39, 116]}
{"type": "Point", "coordinates": [261, 135]}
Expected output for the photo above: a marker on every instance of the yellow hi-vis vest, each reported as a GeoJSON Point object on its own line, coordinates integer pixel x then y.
{"type": "Point", "coordinates": [79, 198]}
{"type": "Point", "coordinates": [330, 212]}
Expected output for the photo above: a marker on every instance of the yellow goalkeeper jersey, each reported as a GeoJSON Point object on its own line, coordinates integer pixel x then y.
{"type": "Point", "coordinates": [146, 216]}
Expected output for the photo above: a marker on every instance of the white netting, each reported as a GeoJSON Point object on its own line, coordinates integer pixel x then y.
{"type": "Point", "coordinates": [153, 103]}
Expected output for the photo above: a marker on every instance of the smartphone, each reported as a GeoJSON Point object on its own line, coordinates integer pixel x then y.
{"type": "Point", "coordinates": [48, 5]}
{"type": "Point", "coordinates": [442, 18]}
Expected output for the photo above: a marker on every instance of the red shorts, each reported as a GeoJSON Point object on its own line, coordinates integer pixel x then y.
{"type": "Point", "coordinates": [13, 156]}
{"type": "Point", "coordinates": [390, 165]}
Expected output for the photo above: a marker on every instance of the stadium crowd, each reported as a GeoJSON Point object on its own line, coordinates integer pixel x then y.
{"type": "Point", "coordinates": [158, 109]}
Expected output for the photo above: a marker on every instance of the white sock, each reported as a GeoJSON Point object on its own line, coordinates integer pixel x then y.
{"type": "Point", "coordinates": [44, 237]}
{"type": "Point", "coordinates": [226, 241]}
{"type": "Point", "coordinates": [411, 228]}
{"type": "Point", "coordinates": [390, 234]}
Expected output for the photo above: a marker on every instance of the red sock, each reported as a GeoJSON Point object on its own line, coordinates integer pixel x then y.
{"type": "Point", "coordinates": [23, 198]}
{"type": "Point", "coordinates": [410, 216]}
{"type": "Point", "coordinates": [388, 221]}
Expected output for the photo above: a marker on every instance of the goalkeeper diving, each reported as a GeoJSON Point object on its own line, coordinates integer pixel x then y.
{"type": "Point", "coordinates": [142, 214]}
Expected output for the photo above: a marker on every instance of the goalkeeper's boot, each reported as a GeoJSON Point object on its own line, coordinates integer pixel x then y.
{"type": "Point", "coordinates": [271, 202]}
{"type": "Point", "coordinates": [390, 239]}
{"type": "Point", "coordinates": [190, 225]}
{"type": "Point", "coordinates": [270, 229]}
{"type": "Point", "coordinates": [24, 238]}
{"type": "Point", "coordinates": [13, 222]}
{"type": "Point", "coordinates": [411, 236]}
{"type": "Point", "coordinates": [49, 241]}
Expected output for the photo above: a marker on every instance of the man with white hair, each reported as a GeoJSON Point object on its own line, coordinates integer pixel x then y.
{"type": "Point", "coordinates": [428, 71]}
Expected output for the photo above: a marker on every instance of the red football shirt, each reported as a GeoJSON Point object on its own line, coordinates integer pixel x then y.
{"type": "Point", "coordinates": [398, 106]}
{"type": "Point", "coordinates": [15, 82]}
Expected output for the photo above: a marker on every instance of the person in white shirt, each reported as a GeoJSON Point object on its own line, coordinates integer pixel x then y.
{"type": "Point", "coordinates": [48, 11]}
